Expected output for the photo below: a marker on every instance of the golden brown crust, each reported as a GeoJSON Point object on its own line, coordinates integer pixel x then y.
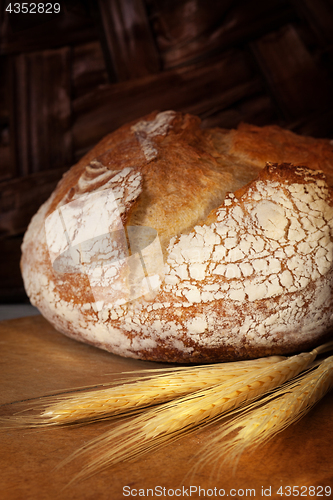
{"type": "Point", "coordinates": [237, 258]}
{"type": "Point", "coordinates": [274, 144]}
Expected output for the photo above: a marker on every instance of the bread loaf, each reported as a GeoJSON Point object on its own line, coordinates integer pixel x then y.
{"type": "Point", "coordinates": [169, 242]}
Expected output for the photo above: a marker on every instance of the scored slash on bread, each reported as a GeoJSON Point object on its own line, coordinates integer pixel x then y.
{"type": "Point", "coordinates": [242, 261]}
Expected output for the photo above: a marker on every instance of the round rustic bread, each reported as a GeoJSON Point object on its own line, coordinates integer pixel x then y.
{"type": "Point", "coordinates": [169, 242]}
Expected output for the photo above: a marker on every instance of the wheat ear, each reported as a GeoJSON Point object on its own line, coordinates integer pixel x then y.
{"type": "Point", "coordinates": [276, 412]}
{"type": "Point", "coordinates": [130, 396]}
{"type": "Point", "coordinates": [170, 421]}
{"type": "Point", "coordinates": [148, 390]}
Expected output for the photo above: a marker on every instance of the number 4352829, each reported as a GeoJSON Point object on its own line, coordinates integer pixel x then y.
{"type": "Point", "coordinates": [305, 491]}
{"type": "Point", "coordinates": [33, 8]}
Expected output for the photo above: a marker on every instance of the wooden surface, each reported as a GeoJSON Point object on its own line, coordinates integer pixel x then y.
{"type": "Point", "coordinates": [36, 360]}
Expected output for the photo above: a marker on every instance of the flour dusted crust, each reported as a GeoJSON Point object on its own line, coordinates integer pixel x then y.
{"type": "Point", "coordinates": [237, 258]}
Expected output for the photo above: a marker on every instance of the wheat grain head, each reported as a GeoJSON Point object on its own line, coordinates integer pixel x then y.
{"type": "Point", "coordinates": [130, 397]}
{"type": "Point", "coordinates": [170, 421]}
{"type": "Point", "coordinates": [263, 420]}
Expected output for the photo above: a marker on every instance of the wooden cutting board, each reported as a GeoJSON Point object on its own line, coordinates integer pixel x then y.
{"type": "Point", "coordinates": [36, 360]}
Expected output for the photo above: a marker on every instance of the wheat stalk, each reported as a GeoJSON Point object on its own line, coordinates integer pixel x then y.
{"type": "Point", "coordinates": [276, 412]}
{"type": "Point", "coordinates": [130, 396]}
{"type": "Point", "coordinates": [148, 390]}
{"type": "Point", "coordinates": [201, 395]}
{"type": "Point", "coordinates": [170, 421]}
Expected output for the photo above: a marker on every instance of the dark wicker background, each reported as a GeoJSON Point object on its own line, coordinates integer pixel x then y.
{"type": "Point", "coordinates": [68, 79]}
